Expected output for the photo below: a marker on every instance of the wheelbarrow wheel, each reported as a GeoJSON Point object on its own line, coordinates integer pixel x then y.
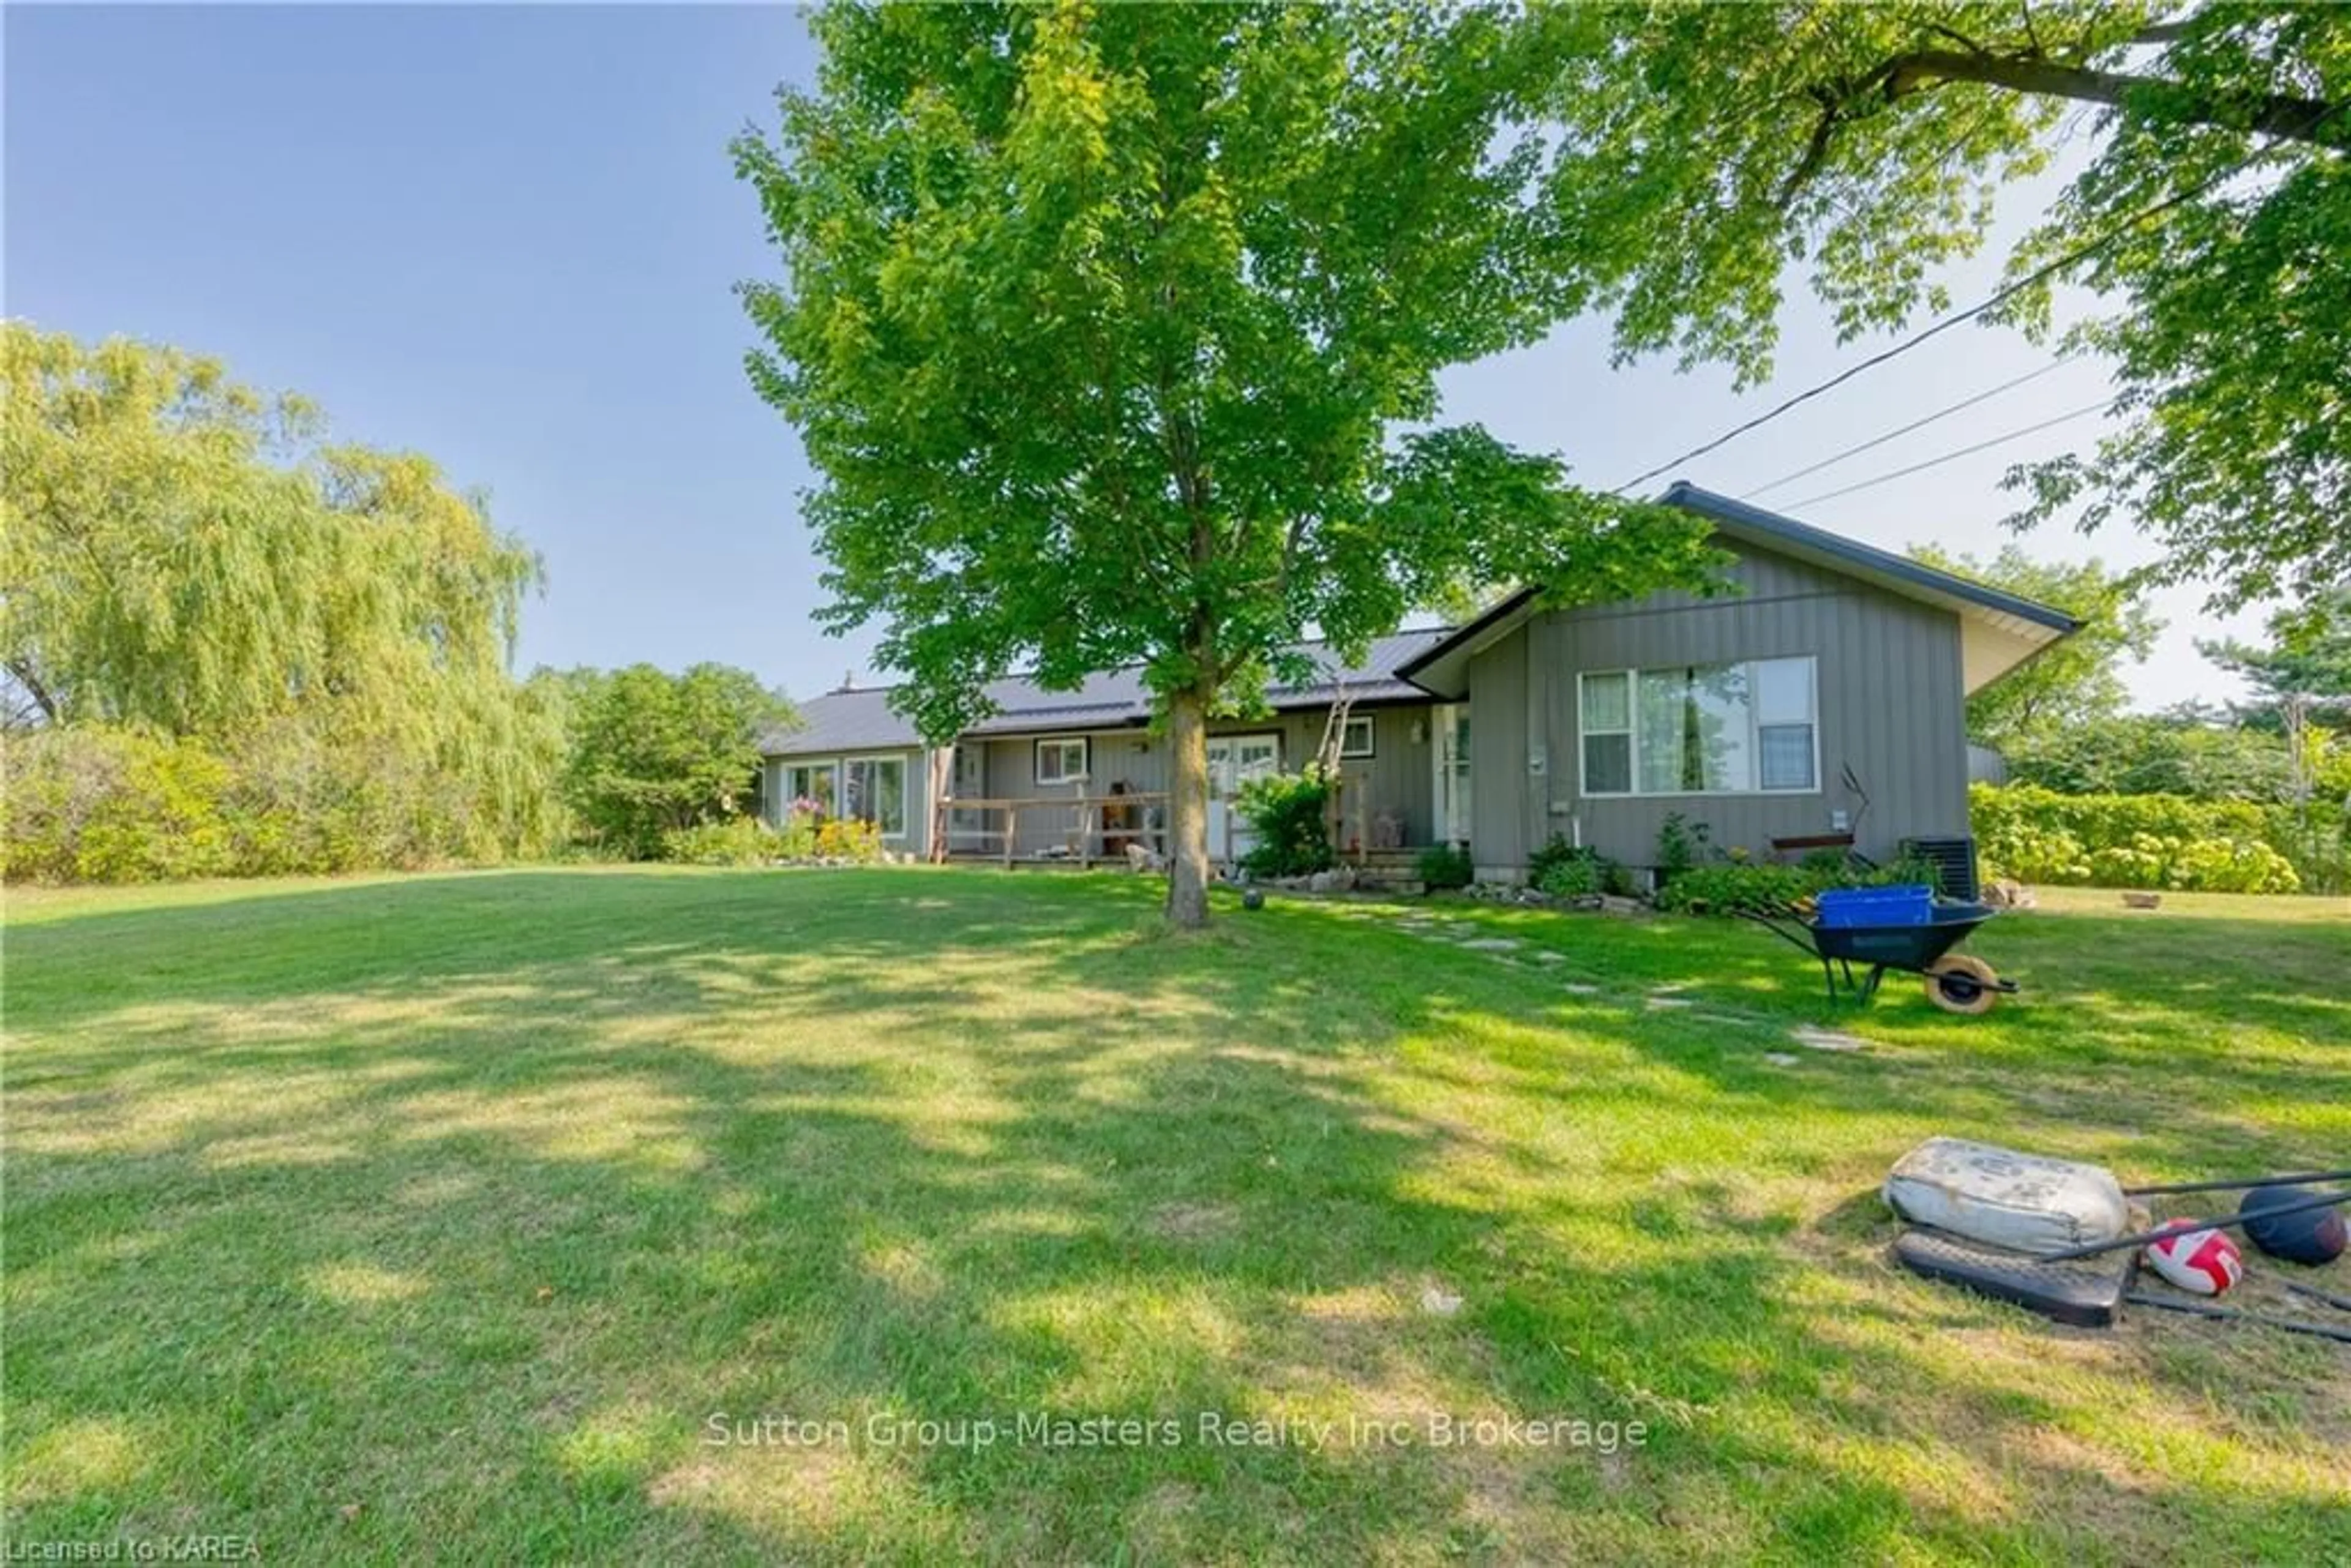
{"type": "Point", "coordinates": [1962, 983]}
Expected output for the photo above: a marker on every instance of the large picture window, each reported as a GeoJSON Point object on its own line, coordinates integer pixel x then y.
{"type": "Point", "coordinates": [1700, 729]}
{"type": "Point", "coordinates": [873, 789]}
{"type": "Point", "coordinates": [859, 789]}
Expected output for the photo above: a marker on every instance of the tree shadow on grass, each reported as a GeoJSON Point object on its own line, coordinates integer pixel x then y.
{"type": "Point", "coordinates": [439, 1219]}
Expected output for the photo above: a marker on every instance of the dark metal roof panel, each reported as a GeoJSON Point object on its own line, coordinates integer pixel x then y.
{"type": "Point", "coordinates": [861, 720]}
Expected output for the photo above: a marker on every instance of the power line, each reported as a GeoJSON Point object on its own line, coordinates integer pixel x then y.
{"type": "Point", "coordinates": [1949, 457]}
{"type": "Point", "coordinates": [2038, 275]}
{"type": "Point", "coordinates": [1914, 424]}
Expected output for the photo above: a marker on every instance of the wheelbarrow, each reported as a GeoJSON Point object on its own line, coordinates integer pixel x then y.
{"type": "Point", "coordinates": [1956, 982]}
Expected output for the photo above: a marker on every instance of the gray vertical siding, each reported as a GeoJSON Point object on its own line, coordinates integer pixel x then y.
{"type": "Point", "coordinates": [1891, 707]}
{"type": "Point", "coordinates": [1501, 792]}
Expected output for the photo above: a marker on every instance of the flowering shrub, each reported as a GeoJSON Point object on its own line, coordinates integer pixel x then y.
{"type": "Point", "coordinates": [2038, 835]}
{"type": "Point", "coordinates": [847, 839]}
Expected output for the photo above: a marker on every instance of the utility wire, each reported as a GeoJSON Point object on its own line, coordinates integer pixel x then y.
{"type": "Point", "coordinates": [1914, 424]}
{"type": "Point", "coordinates": [2038, 275]}
{"type": "Point", "coordinates": [1949, 457]}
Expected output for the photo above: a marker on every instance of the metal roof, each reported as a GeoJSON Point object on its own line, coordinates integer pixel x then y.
{"type": "Point", "coordinates": [863, 720]}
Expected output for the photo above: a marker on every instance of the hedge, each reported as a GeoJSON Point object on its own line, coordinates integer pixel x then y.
{"type": "Point", "coordinates": [98, 803]}
{"type": "Point", "coordinates": [2035, 835]}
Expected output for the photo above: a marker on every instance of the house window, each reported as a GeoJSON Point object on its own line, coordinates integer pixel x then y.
{"type": "Point", "coordinates": [1701, 729]}
{"type": "Point", "coordinates": [860, 788]}
{"type": "Point", "coordinates": [1355, 737]}
{"type": "Point", "coordinates": [1607, 709]}
{"type": "Point", "coordinates": [815, 783]}
{"type": "Point", "coordinates": [1062, 762]}
{"type": "Point", "coordinates": [874, 791]}
{"type": "Point", "coordinates": [1235, 760]}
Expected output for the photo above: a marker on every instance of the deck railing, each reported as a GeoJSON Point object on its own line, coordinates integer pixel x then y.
{"type": "Point", "coordinates": [1082, 828]}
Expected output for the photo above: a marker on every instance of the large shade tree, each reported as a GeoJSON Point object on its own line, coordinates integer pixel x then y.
{"type": "Point", "coordinates": [653, 753]}
{"type": "Point", "coordinates": [181, 553]}
{"type": "Point", "coordinates": [1114, 335]}
{"type": "Point", "coordinates": [1861, 146]}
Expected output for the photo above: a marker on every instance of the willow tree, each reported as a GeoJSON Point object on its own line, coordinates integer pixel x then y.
{"type": "Point", "coordinates": [183, 553]}
{"type": "Point", "coordinates": [1114, 335]}
{"type": "Point", "coordinates": [1862, 145]}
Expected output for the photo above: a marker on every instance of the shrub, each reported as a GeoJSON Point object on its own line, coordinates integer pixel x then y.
{"type": "Point", "coordinates": [745, 840]}
{"type": "Point", "coordinates": [1556, 851]}
{"type": "Point", "coordinates": [1725, 887]}
{"type": "Point", "coordinates": [847, 839]}
{"type": "Point", "coordinates": [1561, 870]}
{"type": "Point", "coordinates": [112, 805]}
{"type": "Point", "coordinates": [1581, 877]}
{"type": "Point", "coordinates": [1764, 887]}
{"type": "Point", "coordinates": [2143, 841]}
{"type": "Point", "coordinates": [1289, 813]}
{"type": "Point", "coordinates": [1681, 845]}
{"type": "Point", "coordinates": [1444, 865]}
{"type": "Point", "coordinates": [298, 794]}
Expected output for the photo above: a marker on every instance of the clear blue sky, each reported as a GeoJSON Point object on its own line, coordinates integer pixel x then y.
{"type": "Point", "coordinates": [507, 237]}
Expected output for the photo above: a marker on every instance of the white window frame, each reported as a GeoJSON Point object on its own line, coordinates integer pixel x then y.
{"type": "Point", "coordinates": [1754, 738]}
{"type": "Point", "coordinates": [906, 794]}
{"type": "Point", "coordinates": [1222, 789]}
{"type": "Point", "coordinates": [1583, 730]}
{"type": "Point", "coordinates": [809, 765]}
{"type": "Point", "coordinates": [839, 768]}
{"type": "Point", "coordinates": [1348, 750]}
{"type": "Point", "coordinates": [1085, 758]}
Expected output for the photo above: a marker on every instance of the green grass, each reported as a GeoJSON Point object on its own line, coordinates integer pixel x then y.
{"type": "Point", "coordinates": [434, 1219]}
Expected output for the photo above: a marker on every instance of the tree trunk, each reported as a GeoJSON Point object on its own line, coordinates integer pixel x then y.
{"type": "Point", "coordinates": [1187, 809]}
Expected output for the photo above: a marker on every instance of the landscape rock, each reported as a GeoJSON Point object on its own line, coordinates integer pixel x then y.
{"type": "Point", "coordinates": [2004, 893]}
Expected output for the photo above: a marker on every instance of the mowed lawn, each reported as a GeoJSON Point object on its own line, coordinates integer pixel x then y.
{"type": "Point", "coordinates": [459, 1218]}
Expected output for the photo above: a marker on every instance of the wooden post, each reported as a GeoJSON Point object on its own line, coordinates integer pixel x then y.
{"type": "Point", "coordinates": [943, 758]}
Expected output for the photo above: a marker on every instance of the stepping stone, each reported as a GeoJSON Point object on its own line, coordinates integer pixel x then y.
{"type": "Point", "coordinates": [1733, 1020]}
{"type": "Point", "coordinates": [1493, 944]}
{"type": "Point", "coordinates": [1826, 1039]}
{"type": "Point", "coordinates": [1780, 1059]}
{"type": "Point", "coordinates": [1580, 988]}
{"type": "Point", "coordinates": [1442, 1302]}
{"type": "Point", "coordinates": [1545, 955]}
{"type": "Point", "coordinates": [1668, 1001]}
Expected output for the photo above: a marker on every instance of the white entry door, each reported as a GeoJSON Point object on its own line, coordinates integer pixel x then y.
{"type": "Point", "coordinates": [1452, 751]}
{"type": "Point", "coordinates": [1234, 760]}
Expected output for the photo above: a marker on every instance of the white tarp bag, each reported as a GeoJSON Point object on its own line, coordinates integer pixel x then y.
{"type": "Point", "coordinates": [2004, 1198]}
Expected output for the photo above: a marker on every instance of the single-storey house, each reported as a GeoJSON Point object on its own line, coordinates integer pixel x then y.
{"type": "Point", "coordinates": [1824, 698]}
